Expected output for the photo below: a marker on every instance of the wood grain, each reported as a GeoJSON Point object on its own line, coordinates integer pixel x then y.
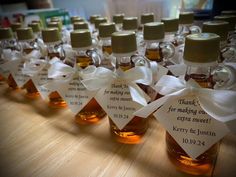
{"type": "Point", "coordinates": [38, 141]}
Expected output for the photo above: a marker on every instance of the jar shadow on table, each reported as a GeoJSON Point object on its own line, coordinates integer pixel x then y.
{"type": "Point", "coordinates": [145, 156]}
{"type": "Point", "coordinates": [17, 95]}
{"type": "Point", "coordinates": [39, 105]}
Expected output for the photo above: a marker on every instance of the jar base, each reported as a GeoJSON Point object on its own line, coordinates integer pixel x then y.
{"type": "Point", "coordinates": [32, 95]}
{"type": "Point", "coordinates": [127, 137]}
{"type": "Point", "coordinates": [89, 118]}
{"type": "Point", "coordinates": [190, 166]}
{"type": "Point", "coordinates": [57, 104]}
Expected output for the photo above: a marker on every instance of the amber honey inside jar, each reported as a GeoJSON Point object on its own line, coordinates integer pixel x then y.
{"type": "Point", "coordinates": [81, 42]}
{"type": "Point", "coordinates": [52, 39]}
{"type": "Point", "coordinates": [133, 132]}
{"type": "Point", "coordinates": [199, 62]}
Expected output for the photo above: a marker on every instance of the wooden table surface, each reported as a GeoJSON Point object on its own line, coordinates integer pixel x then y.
{"type": "Point", "coordinates": [39, 141]}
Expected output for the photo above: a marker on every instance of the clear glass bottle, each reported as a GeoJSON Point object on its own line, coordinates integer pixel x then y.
{"type": "Point", "coordinates": [171, 29]}
{"type": "Point", "coordinates": [156, 49]}
{"type": "Point", "coordinates": [220, 28]}
{"type": "Point", "coordinates": [124, 46]}
{"type": "Point", "coordinates": [97, 22]}
{"type": "Point", "coordinates": [15, 26]}
{"type": "Point", "coordinates": [118, 20]}
{"type": "Point", "coordinates": [27, 43]}
{"type": "Point", "coordinates": [105, 31]}
{"type": "Point", "coordinates": [146, 18]}
{"type": "Point", "coordinates": [186, 24]}
{"type": "Point", "coordinates": [92, 22]}
{"type": "Point", "coordinates": [7, 42]}
{"type": "Point", "coordinates": [52, 39]}
{"type": "Point", "coordinates": [36, 30]}
{"type": "Point", "coordinates": [201, 53]}
{"type": "Point", "coordinates": [231, 19]}
{"type": "Point", "coordinates": [85, 55]}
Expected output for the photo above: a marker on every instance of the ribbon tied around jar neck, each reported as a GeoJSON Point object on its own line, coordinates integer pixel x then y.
{"type": "Point", "coordinates": [219, 104]}
{"type": "Point", "coordinates": [102, 77]}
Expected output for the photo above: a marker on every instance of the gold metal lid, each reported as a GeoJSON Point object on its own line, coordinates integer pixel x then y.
{"type": "Point", "coordinates": [6, 33]}
{"type": "Point", "coordinates": [55, 19]}
{"type": "Point", "coordinates": [228, 12]}
{"type": "Point", "coordinates": [80, 25]}
{"type": "Point", "coordinates": [80, 38]}
{"type": "Point", "coordinates": [153, 31]}
{"type": "Point", "coordinates": [99, 20]}
{"type": "Point", "coordinates": [202, 48]}
{"type": "Point", "coordinates": [130, 23]}
{"type": "Point", "coordinates": [39, 22]}
{"type": "Point", "coordinates": [220, 28]}
{"type": "Point", "coordinates": [51, 35]}
{"type": "Point", "coordinates": [24, 33]}
{"type": "Point", "coordinates": [186, 17]}
{"type": "Point", "coordinates": [35, 27]}
{"type": "Point", "coordinates": [106, 29]}
{"type": "Point", "coordinates": [123, 42]}
{"type": "Point", "coordinates": [57, 25]}
{"type": "Point", "coordinates": [171, 24]}
{"type": "Point", "coordinates": [118, 18]}
{"type": "Point", "coordinates": [74, 19]}
{"type": "Point", "coordinates": [147, 18]}
{"type": "Point", "coordinates": [15, 26]}
{"type": "Point", "coordinates": [93, 17]}
{"type": "Point", "coordinates": [228, 18]}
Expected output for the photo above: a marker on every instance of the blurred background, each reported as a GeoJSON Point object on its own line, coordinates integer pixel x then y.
{"type": "Point", "coordinates": [26, 10]}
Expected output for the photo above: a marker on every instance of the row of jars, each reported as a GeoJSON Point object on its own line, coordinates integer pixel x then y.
{"type": "Point", "coordinates": [127, 49]}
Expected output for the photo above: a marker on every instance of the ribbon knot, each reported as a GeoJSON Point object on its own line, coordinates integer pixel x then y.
{"type": "Point", "coordinates": [102, 77]}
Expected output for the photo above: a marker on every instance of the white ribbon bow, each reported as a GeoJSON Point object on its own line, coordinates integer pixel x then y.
{"type": "Point", "coordinates": [102, 77]}
{"type": "Point", "coordinates": [61, 72]}
{"type": "Point", "coordinates": [219, 104]}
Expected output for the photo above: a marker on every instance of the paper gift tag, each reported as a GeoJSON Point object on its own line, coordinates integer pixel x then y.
{"type": "Point", "coordinates": [40, 79]}
{"type": "Point", "coordinates": [16, 71]}
{"type": "Point", "coordinates": [75, 94]}
{"type": "Point", "coordinates": [4, 71]}
{"type": "Point", "coordinates": [193, 129]}
{"type": "Point", "coordinates": [117, 103]}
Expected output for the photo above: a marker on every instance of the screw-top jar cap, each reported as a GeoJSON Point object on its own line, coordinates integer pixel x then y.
{"type": "Point", "coordinates": [76, 19]}
{"type": "Point", "coordinates": [171, 24]}
{"type": "Point", "coordinates": [186, 17]}
{"type": "Point", "coordinates": [51, 35]}
{"type": "Point", "coordinates": [123, 42]}
{"type": "Point", "coordinates": [15, 26]}
{"type": "Point", "coordinates": [228, 12]}
{"type": "Point", "coordinates": [153, 31]}
{"type": "Point", "coordinates": [80, 25]}
{"type": "Point", "coordinates": [220, 28]}
{"type": "Point", "coordinates": [147, 18]}
{"type": "Point", "coordinates": [57, 25]}
{"type": "Point", "coordinates": [228, 18]}
{"type": "Point", "coordinates": [202, 48]}
{"type": "Point", "coordinates": [130, 23]}
{"type": "Point", "coordinates": [118, 18]}
{"type": "Point", "coordinates": [55, 19]}
{"type": "Point", "coordinates": [5, 33]}
{"type": "Point", "coordinates": [24, 34]}
{"type": "Point", "coordinates": [35, 27]}
{"type": "Point", "coordinates": [39, 22]}
{"type": "Point", "coordinates": [80, 38]}
{"type": "Point", "coordinates": [93, 17]}
{"type": "Point", "coordinates": [106, 29]}
{"type": "Point", "coordinates": [99, 20]}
